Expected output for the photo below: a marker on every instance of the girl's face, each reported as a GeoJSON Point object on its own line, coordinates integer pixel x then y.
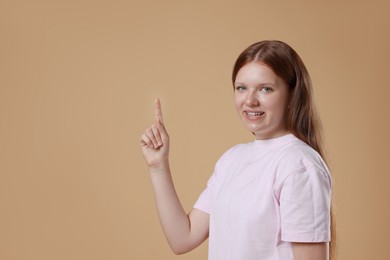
{"type": "Point", "coordinates": [261, 99]}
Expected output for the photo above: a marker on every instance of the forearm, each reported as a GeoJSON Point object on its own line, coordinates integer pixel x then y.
{"type": "Point", "coordinates": [173, 218]}
{"type": "Point", "coordinates": [182, 232]}
{"type": "Point", "coordinates": [311, 251]}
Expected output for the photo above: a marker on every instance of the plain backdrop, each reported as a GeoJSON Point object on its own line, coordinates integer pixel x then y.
{"type": "Point", "coordinates": [77, 85]}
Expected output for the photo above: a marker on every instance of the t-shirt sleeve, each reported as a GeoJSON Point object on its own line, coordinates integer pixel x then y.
{"type": "Point", "coordinates": [305, 206]}
{"type": "Point", "coordinates": [205, 199]}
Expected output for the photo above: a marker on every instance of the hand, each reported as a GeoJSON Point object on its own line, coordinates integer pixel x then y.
{"type": "Point", "coordinates": [155, 141]}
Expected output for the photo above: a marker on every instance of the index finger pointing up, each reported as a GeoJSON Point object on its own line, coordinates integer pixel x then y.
{"type": "Point", "coordinates": [159, 116]}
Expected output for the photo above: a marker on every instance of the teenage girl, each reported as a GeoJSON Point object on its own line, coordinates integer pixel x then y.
{"type": "Point", "coordinates": [267, 199]}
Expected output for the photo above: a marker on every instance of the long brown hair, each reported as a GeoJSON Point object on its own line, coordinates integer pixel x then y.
{"type": "Point", "coordinates": [301, 114]}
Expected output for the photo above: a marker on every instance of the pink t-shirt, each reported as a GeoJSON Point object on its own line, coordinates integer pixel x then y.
{"type": "Point", "coordinates": [264, 195]}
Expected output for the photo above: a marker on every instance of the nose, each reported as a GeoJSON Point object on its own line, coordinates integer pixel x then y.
{"type": "Point", "coordinates": [252, 100]}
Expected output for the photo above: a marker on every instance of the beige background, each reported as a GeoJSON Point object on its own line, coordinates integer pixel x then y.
{"type": "Point", "coordinates": [77, 82]}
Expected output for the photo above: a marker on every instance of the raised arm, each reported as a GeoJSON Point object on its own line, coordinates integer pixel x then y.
{"type": "Point", "coordinates": [183, 232]}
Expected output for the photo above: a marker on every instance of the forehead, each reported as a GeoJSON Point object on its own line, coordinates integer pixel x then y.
{"type": "Point", "coordinates": [257, 73]}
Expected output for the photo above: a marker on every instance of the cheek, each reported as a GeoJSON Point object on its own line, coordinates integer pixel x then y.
{"type": "Point", "coordinates": [238, 101]}
{"type": "Point", "coordinates": [276, 105]}
{"type": "Point", "coordinates": [267, 102]}
{"type": "Point", "coordinates": [280, 107]}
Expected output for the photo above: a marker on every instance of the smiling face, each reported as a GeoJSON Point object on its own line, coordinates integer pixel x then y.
{"type": "Point", "coordinates": [261, 99]}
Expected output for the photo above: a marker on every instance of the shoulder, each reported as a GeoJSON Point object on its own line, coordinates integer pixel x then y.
{"type": "Point", "coordinates": [298, 155]}
{"type": "Point", "coordinates": [238, 148]}
{"type": "Point", "coordinates": [299, 158]}
{"type": "Point", "coordinates": [234, 153]}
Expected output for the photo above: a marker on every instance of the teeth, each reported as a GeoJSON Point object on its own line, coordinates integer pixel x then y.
{"type": "Point", "coordinates": [255, 113]}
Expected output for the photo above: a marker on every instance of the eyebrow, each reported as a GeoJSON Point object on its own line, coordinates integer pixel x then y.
{"type": "Point", "coordinates": [265, 83]}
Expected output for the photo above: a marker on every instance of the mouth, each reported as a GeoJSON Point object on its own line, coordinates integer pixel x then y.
{"type": "Point", "coordinates": [254, 113]}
